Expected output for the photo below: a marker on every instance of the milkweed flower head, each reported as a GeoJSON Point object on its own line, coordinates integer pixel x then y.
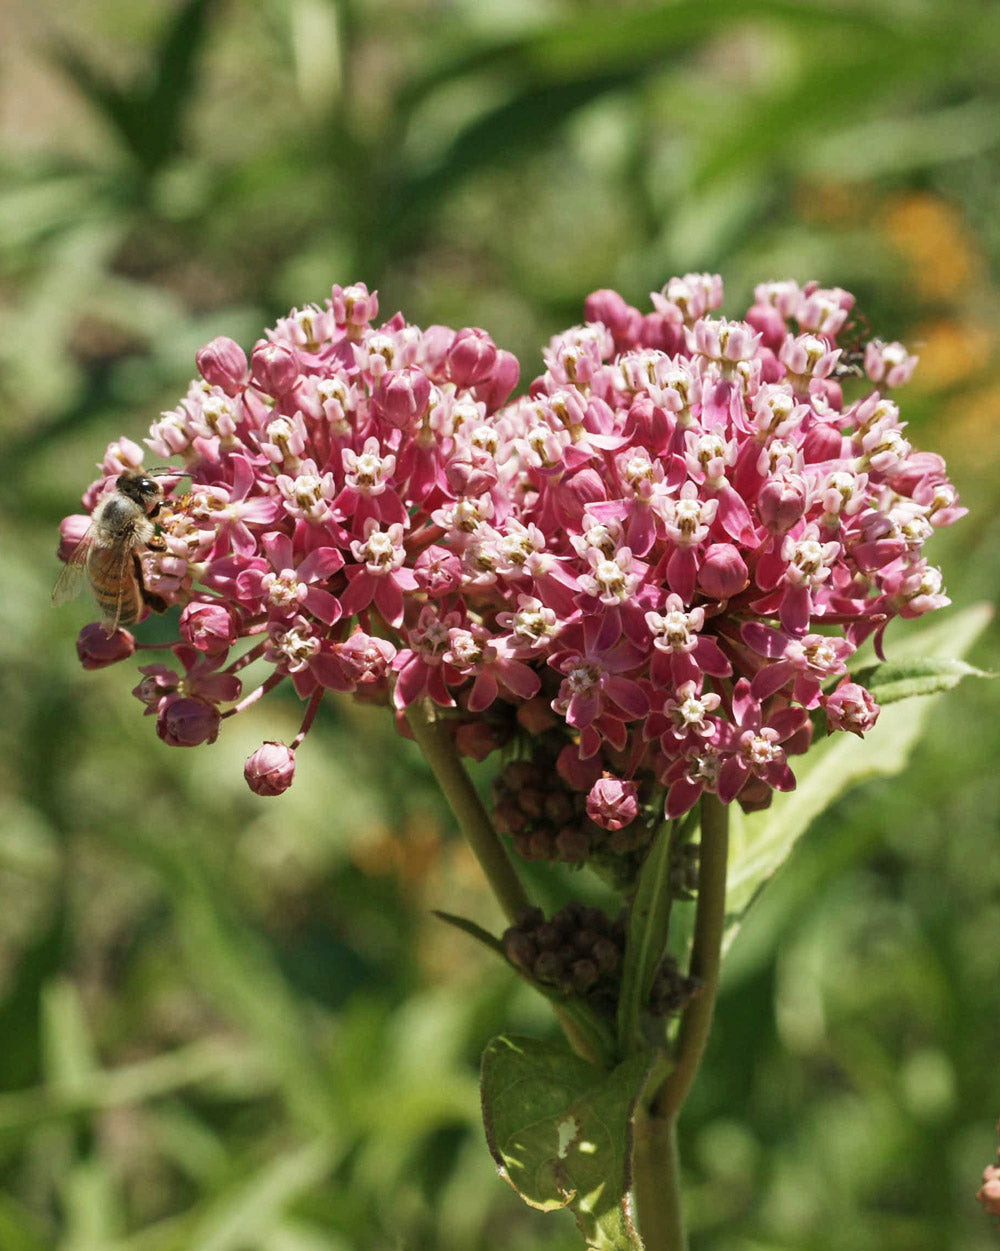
{"type": "Point", "coordinates": [641, 578]}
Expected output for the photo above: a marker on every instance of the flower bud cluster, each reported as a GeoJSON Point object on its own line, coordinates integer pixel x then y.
{"type": "Point", "coordinates": [579, 951]}
{"type": "Point", "coordinates": [661, 557]}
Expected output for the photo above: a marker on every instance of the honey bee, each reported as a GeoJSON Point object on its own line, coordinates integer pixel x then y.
{"type": "Point", "coordinates": [121, 528]}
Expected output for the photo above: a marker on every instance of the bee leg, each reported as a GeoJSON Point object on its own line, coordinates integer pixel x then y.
{"type": "Point", "coordinates": [152, 601]}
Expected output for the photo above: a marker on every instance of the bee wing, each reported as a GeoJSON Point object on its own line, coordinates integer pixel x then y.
{"type": "Point", "coordinates": [71, 576]}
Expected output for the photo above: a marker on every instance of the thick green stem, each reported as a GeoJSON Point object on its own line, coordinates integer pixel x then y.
{"type": "Point", "coordinates": [656, 1167]}
{"type": "Point", "coordinates": [706, 955]}
{"type": "Point", "coordinates": [435, 742]}
{"type": "Point", "coordinates": [656, 1184]}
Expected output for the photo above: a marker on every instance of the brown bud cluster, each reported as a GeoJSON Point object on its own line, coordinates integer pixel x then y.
{"type": "Point", "coordinates": [579, 951]}
{"type": "Point", "coordinates": [683, 876]}
{"type": "Point", "coordinates": [546, 816]}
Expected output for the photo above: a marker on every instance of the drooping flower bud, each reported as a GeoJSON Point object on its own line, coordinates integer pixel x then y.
{"type": "Point", "coordinates": [612, 804]}
{"type": "Point", "coordinates": [187, 721]}
{"type": "Point", "coordinates": [223, 363]}
{"type": "Point", "coordinates": [851, 707]}
{"type": "Point", "coordinates": [270, 769]}
{"type": "Point", "coordinates": [97, 649]}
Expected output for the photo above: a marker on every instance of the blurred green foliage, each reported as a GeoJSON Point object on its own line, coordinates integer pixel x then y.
{"type": "Point", "coordinates": [229, 1024]}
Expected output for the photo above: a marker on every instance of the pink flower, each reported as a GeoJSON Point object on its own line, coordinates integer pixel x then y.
{"type": "Point", "coordinates": [612, 804]}
{"type": "Point", "coordinates": [850, 707]}
{"type": "Point", "coordinates": [649, 567]}
{"type": "Point", "coordinates": [755, 745]}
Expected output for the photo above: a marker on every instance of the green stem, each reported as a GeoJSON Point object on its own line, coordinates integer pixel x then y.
{"type": "Point", "coordinates": [656, 1167]}
{"type": "Point", "coordinates": [656, 1184]}
{"type": "Point", "coordinates": [706, 955]}
{"type": "Point", "coordinates": [435, 742]}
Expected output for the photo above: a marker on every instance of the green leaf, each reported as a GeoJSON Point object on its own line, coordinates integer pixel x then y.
{"type": "Point", "coordinates": [898, 680]}
{"type": "Point", "coordinates": [760, 842]}
{"type": "Point", "coordinates": [648, 923]}
{"type": "Point", "coordinates": [560, 1133]}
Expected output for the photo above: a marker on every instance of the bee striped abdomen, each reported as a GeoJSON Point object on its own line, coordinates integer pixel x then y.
{"type": "Point", "coordinates": [115, 586]}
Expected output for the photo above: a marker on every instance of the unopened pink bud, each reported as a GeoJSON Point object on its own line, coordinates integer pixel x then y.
{"type": "Point", "coordinates": [723, 572]}
{"type": "Point", "coordinates": [270, 769]}
{"type": "Point", "coordinates": [208, 627]}
{"type": "Point", "coordinates": [471, 357]}
{"type": "Point", "coordinates": [612, 804]}
{"type": "Point", "coordinates": [781, 502]}
{"type": "Point", "coordinates": [579, 775]}
{"type": "Point", "coordinates": [401, 396]}
{"type": "Point", "coordinates": [471, 471]}
{"type": "Point", "coordinates": [97, 649]}
{"type": "Point", "coordinates": [495, 390]}
{"type": "Point", "coordinates": [71, 530]}
{"type": "Point", "coordinates": [851, 707]}
{"type": "Point", "coordinates": [223, 363]}
{"type": "Point", "coordinates": [769, 323]}
{"type": "Point", "coordinates": [187, 721]}
{"type": "Point", "coordinates": [275, 366]}
{"type": "Point", "coordinates": [823, 442]}
{"type": "Point", "coordinates": [611, 309]}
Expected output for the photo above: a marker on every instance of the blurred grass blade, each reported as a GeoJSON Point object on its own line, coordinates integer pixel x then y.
{"type": "Point", "coordinates": [243, 1215]}
{"type": "Point", "coordinates": [165, 102]}
{"type": "Point", "coordinates": [613, 39]}
{"type": "Point", "coordinates": [20, 1009]}
{"type": "Point", "coordinates": [148, 115]}
{"type": "Point", "coordinates": [67, 1050]}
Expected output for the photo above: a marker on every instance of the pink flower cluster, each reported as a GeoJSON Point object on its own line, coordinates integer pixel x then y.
{"type": "Point", "coordinates": [660, 559]}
